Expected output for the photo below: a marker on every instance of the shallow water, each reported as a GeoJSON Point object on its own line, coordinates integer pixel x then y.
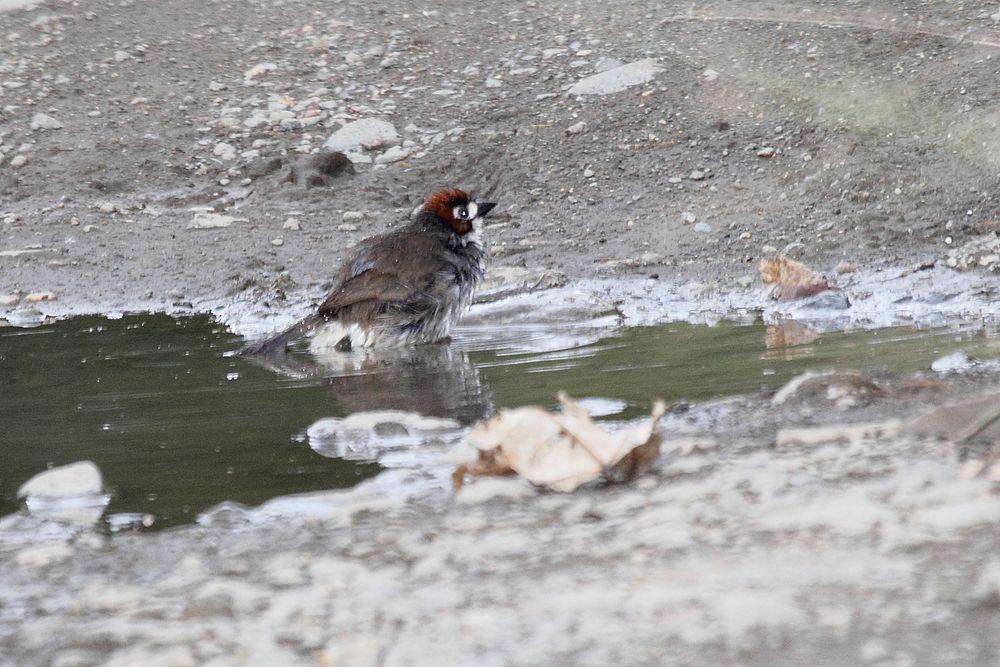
{"type": "Point", "coordinates": [177, 424]}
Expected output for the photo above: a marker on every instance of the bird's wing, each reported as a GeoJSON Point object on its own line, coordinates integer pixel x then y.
{"type": "Point", "coordinates": [396, 271]}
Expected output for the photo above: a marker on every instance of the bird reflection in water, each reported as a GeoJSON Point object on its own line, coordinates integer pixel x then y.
{"type": "Point", "coordinates": [430, 380]}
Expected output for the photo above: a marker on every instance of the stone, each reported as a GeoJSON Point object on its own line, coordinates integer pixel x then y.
{"type": "Point", "coordinates": [588, 173]}
{"type": "Point", "coordinates": [604, 63]}
{"type": "Point", "coordinates": [710, 75]}
{"type": "Point", "coordinates": [576, 128]}
{"type": "Point", "coordinates": [225, 151]}
{"type": "Point", "coordinates": [278, 241]}
{"type": "Point", "coordinates": [703, 228]}
{"type": "Point", "coordinates": [42, 121]}
{"type": "Point", "coordinates": [354, 215]}
{"type": "Point", "coordinates": [259, 69]}
{"type": "Point", "coordinates": [688, 218]}
{"type": "Point", "coordinates": [368, 133]}
{"type": "Point", "coordinates": [292, 224]}
{"type": "Point", "coordinates": [36, 297]}
{"type": "Point", "coordinates": [19, 160]}
{"type": "Point", "coordinates": [492, 82]}
{"type": "Point", "coordinates": [617, 79]}
{"type": "Point", "coordinates": [394, 154]}
{"type": "Point", "coordinates": [82, 478]}
{"type": "Point", "coordinates": [9, 299]}
{"type": "Point", "coordinates": [767, 151]}
{"type": "Point", "coordinates": [697, 175]}
{"type": "Point", "coordinates": [207, 220]}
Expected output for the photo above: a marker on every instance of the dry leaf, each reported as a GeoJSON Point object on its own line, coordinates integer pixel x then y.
{"type": "Point", "coordinates": [559, 451]}
{"type": "Point", "coordinates": [791, 279]}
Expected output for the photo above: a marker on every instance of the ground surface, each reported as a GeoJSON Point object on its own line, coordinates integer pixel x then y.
{"type": "Point", "coordinates": [858, 131]}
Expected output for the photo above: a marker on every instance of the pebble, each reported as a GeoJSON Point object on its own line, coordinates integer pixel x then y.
{"type": "Point", "coordinates": [697, 175]}
{"type": "Point", "coordinates": [703, 228]}
{"type": "Point", "coordinates": [576, 128]}
{"type": "Point", "coordinates": [710, 75]}
{"type": "Point", "coordinates": [259, 69]}
{"type": "Point", "coordinates": [493, 83]}
{"type": "Point", "coordinates": [278, 241]}
{"type": "Point", "coordinates": [36, 297]}
{"type": "Point", "coordinates": [107, 207]}
{"type": "Point", "coordinates": [121, 56]}
{"type": "Point", "coordinates": [354, 215]}
{"type": "Point", "coordinates": [367, 133]}
{"type": "Point", "coordinates": [9, 299]}
{"type": "Point", "coordinates": [588, 173]}
{"type": "Point", "coordinates": [767, 151]}
{"type": "Point", "coordinates": [292, 224]}
{"type": "Point", "coordinates": [347, 228]}
{"type": "Point", "coordinates": [19, 160]}
{"type": "Point", "coordinates": [42, 121]}
{"type": "Point", "coordinates": [394, 154]}
{"type": "Point", "coordinates": [687, 217]}
{"type": "Point", "coordinates": [75, 480]}
{"type": "Point", "coordinates": [675, 180]}
{"type": "Point", "coordinates": [225, 151]}
{"type": "Point", "coordinates": [617, 79]}
{"type": "Point", "coordinates": [212, 221]}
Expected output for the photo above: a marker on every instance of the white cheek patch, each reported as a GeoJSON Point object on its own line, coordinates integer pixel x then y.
{"type": "Point", "coordinates": [473, 210]}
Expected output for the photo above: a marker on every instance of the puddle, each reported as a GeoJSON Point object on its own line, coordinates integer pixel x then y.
{"type": "Point", "coordinates": [176, 425]}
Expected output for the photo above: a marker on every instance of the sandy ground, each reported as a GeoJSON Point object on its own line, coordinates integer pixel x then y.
{"type": "Point", "coordinates": [156, 156]}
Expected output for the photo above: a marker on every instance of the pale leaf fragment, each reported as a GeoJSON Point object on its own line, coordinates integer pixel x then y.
{"type": "Point", "coordinates": [559, 451]}
{"type": "Point", "coordinates": [791, 279]}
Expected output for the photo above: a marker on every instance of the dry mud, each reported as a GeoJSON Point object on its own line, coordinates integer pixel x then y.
{"type": "Point", "coordinates": [857, 132]}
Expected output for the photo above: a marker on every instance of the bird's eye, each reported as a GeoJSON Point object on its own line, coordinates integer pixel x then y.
{"type": "Point", "coordinates": [463, 213]}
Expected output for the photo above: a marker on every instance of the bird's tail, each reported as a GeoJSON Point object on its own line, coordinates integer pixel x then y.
{"type": "Point", "coordinates": [277, 343]}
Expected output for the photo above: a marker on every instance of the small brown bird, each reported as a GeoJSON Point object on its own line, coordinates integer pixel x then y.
{"type": "Point", "coordinates": [406, 287]}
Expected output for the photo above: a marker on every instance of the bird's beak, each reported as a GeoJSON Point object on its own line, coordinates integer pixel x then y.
{"type": "Point", "coordinates": [484, 207]}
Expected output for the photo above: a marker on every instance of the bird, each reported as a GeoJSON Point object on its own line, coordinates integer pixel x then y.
{"type": "Point", "coordinates": [405, 287]}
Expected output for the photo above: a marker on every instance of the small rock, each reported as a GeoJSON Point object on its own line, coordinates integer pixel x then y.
{"type": "Point", "coordinates": [710, 75]}
{"type": "Point", "coordinates": [36, 297]}
{"type": "Point", "coordinates": [321, 169]}
{"type": "Point", "coordinates": [675, 180]}
{"type": "Point", "coordinates": [697, 175]}
{"type": "Point", "coordinates": [42, 121]}
{"type": "Point", "coordinates": [225, 151]}
{"type": "Point", "coordinates": [956, 362]}
{"type": "Point", "coordinates": [259, 69]}
{"type": "Point", "coordinates": [617, 79]}
{"type": "Point", "coordinates": [212, 221]}
{"type": "Point", "coordinates": [703, 228]}
{"type": "Point", "coordinates": [394, 154]}
{"type": "Point", "coordinates": [767, 151]}
{"type": "Point", "coordinates": [70, 481]}
{"type": "Point", "coordinates": [588, 173]}
{"type": "Point", "coordinates": [107, 208]}
{"type": "Point", "coordinates": [368, 133]}
{"type": "Point", "coordinates": [215, 86]}
{"type": "Point", "coordinates": [19, 160]}
{"type": "Point", "coordinates": [493, 83]}
{"type": "Point", "coordinates": [121, 56]}
{"type": "Point", "coordinates": [688, 218]}
{"type": "Point", "coordinates": [9, 299]}
{"type": "Point", "coordinates": [354, 215]}
{"type": "Point", "coordinates": [292, 224]}
{"type": "Point", "coordinates": [135, 101]}
{"type": "Point", "coordinates": [278, 241]}
{"type": "Point", "coordinates": [576, 128]}
{"type": "Point", "coordinates": [844, 267]}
